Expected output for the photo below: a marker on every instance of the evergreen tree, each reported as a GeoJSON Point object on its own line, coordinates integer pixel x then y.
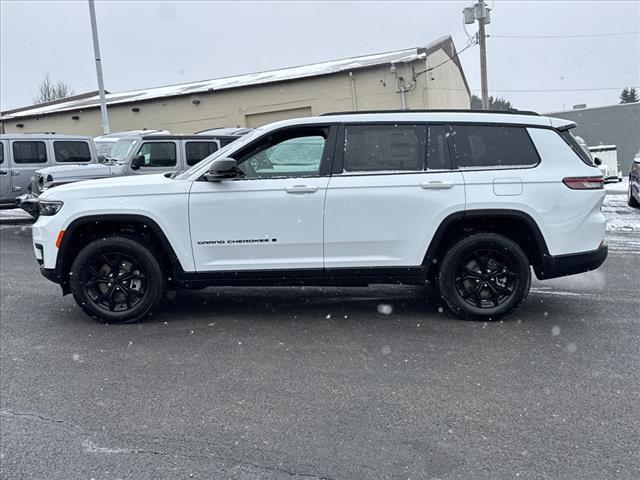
{"type": "Point", "coordinates": [494, 103]}
{"type": "Point", "coordinates": [629, 95]}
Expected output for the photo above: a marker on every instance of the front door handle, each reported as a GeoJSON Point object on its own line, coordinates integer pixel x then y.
{"type": "Point", "coordinates": [436, 185]}
{"type": "Point", "coordinates": [3, 172]}
{"type": "Point", "coordinates": [301, 189]}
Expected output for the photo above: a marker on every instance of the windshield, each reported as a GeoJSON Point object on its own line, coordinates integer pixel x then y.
{"type": "Point", "coordinates": [121, 149]}
{"type": "Point", "coordinates": [104, 148]}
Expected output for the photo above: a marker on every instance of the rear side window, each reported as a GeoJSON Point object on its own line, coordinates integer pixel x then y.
{"type": "Point", "coordinates": [493, 146]}
{"type": "Point", "coordinates": [196, 151]}
{"type": "Point", "coordinates": [29, 152]}
{"type": "Point", "coordinates": [158, 154]}
{"type": "Point", "coordinates": [369, 148]}
{"type": "Point", "coordinates": [1, 153]}
{"type": "Point", "coordinates": [71, 151]}
{"type": "Point", "coordinates": [584, 155]}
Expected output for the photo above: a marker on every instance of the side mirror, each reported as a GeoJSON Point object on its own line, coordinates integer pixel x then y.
{"type": "Point", "coordinates": [636, 160]}
{"type": "Point", "coordinates": [597, 161]}
{"type": "Point", "coordinates": [221, 169]}
{"type": "Point", "coordinates": [137, 162]}
{"type": "Point", "coordinates": [102, 158]}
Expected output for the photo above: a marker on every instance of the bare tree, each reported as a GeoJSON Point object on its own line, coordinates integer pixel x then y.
{"type": "Point", "coordinates": [49, 90]}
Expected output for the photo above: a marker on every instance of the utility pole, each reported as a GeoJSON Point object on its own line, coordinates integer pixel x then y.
{"type": "Point", "coordinates": [96, 51]}
{"type": "Point", "coordinates": [483, 54]}
{"type": "Point", "coordinates": [480, 12]}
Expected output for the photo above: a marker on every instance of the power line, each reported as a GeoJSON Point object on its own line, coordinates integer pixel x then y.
{"type": "Point", "coordinates": [447, 60]}
{"type": "Point", "coordinates": [586, 35]}
{"type": "Point", "coordinates": [540, 89]}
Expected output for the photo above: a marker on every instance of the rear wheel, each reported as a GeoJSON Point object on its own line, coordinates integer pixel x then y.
{"type": "Point", "coordinates": [484, 277]}
{"type": "Point", "coordinates": [631, 200]}
{"type": "Point", "coordinates": [116, 280]}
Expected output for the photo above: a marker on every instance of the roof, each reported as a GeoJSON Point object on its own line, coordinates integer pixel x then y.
{"type": "Point", "coordinates": [285, 74]}
{"type": "Point", "coordinates": [473, 116]}
{"type": "Point", "coordinates": [43, 136]}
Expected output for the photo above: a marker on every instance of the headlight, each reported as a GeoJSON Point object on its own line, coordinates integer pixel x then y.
{"type": "Point", "coordinates": [49, 207]}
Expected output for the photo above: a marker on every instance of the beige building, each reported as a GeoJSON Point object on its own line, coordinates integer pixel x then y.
{"type": "Point", "coordinates": [429, 77]}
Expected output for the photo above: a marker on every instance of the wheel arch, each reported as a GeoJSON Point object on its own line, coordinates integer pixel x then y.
{"type": "Point", "coordinates": [513, 224]}
{"type": "Point", "coordinates": [83, 230]}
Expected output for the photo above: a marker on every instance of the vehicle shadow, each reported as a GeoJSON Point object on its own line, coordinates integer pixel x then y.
{"type": "Point", "coordinates": [301, 303]}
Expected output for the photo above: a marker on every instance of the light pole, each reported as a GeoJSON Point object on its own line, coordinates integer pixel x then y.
{"type": "Point", "coordinates": [480, 12]}
{"type": "Point", "coordinates": [96, 51]}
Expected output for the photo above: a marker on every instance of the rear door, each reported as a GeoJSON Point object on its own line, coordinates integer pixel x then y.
{"type": "Point", "coordinates": [27, 156]}
{"type": "Point", "coordinates": [391, 187]}
{"type": "Point", "coordinates": [197, 150]}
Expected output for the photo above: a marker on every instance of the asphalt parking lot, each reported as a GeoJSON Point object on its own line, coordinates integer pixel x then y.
{"type": "Point", "coordinates": [323, 383]}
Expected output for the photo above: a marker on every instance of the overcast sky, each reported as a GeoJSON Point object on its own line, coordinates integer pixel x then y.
{"type": "Point", "coordinates": [154, 43]}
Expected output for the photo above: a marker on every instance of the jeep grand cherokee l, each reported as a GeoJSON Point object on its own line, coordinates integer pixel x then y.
{"type": "Point", "coordinates": [469, 201]}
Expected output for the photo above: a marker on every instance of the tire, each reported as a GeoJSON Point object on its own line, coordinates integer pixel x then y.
{"type": "Point", "coordinates": [631, 200]}
{"type": "Point", "coordinates": [138, 290]}
{"type": "Point", "coordinates": [493, 294]}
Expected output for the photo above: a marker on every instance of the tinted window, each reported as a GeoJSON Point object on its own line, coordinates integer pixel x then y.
{"type": "Point", "coordinates": [29, 152]}
{"type": "Point", "coordinates": [72, 151]}
{"type": "Point", "coordinates": [437, 148]}
{"type": "Point", "coordinates": [489, 146]}
{"type": "Point", "coordinates": [196, 151]}
{"type": "Point", "coordinates": [158, 154]}
{"type": "Point", "coordinates": [582, 152]}
{"type": "Point", "coordinates": [1, 153]}
{"type": "Point", "coordinates": [370, 148]}
{"type": "Point", "coordinates": [299, 156]}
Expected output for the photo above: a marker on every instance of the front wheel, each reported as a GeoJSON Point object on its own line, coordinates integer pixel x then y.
{"type": "Point", "coordinates": [116, 280]}
{"type": "Point", "coordinates": [484, 277]}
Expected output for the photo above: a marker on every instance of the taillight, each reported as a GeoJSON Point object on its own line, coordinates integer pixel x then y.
{"type": "Point", "coordinates": [584, 183]}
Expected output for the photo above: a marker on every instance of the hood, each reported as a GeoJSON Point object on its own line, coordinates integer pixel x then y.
{"type": "Point", "coordinates": [64, 172]}
{"type": "Point", "coordinates": [130, 186]}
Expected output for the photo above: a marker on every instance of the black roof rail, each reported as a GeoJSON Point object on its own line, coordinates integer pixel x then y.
{"type": "Point", "coordinates": [511, 111]}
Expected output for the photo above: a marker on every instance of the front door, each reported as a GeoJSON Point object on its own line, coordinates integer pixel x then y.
{"type": "Point", "coordinates": [271, 216]}
{"type": "Point", "coordinates": [392, 187]}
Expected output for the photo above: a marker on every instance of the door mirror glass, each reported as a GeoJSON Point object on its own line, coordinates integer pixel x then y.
{"type": "Point", "coordinates": [597, 161]}
{"type": "Point", "coordinates": [222, 168]}
{"type": "Point", "coordinates": [137, 162]}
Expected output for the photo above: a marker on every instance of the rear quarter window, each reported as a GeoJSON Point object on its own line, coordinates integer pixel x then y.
{"type": "Point", "coordinates": [493, 146]}
{"type": "Point", "coordinates": [585, 156]}
{"type": "Point", "coordinates": [71, 151]}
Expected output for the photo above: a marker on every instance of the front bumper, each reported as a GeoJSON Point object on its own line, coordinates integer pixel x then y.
{"type": "Point", "coordinates": [562, 265]}
{"type": "Point", "coordinates": [28, 202]}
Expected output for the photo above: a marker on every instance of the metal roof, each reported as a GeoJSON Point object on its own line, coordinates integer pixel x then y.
{"type": "Point", "coordinates": [305, 71]}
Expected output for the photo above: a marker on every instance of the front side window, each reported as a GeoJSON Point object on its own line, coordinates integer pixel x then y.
{"type": "Point", "coordinates": [494, 146]}
{"type": "Point", "coordinates": [29, 152]}
{"type": "Point", "coordinates": [297, 156]}
{"type": "Point", "coordinates": [369, 148]}
{"type": "Point", "coordinates": [197, 151]}
{"type": "Point", "coordinates": [158, 154]}
{"type": "Point", "coordinates": [71, 151]}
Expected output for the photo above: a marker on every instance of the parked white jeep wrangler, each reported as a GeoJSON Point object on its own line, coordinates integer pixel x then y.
{"type": "Point", "coordinates": [468, 201]}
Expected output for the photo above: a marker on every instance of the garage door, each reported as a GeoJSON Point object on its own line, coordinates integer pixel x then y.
{"type": "Point", "coordinates": [258, 119]}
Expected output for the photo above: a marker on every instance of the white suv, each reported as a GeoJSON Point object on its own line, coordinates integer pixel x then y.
{"type": "Point", "coordinates": [469, 201]}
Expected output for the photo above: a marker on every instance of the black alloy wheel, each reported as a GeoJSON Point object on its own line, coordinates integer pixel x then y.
{"type": "Point", "coordinates": [117, 280]}
{"type": "Point", "coordinates": [484, 276]}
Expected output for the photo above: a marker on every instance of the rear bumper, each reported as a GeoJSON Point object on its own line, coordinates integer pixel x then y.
{"type": "Point", "coordinates": [563, 265]}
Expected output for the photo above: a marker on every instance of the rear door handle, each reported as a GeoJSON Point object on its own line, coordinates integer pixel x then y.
{"type": "Point", "coordinates": [436, 185]}
{"type": "Point", "coordinates": [301, 189]}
